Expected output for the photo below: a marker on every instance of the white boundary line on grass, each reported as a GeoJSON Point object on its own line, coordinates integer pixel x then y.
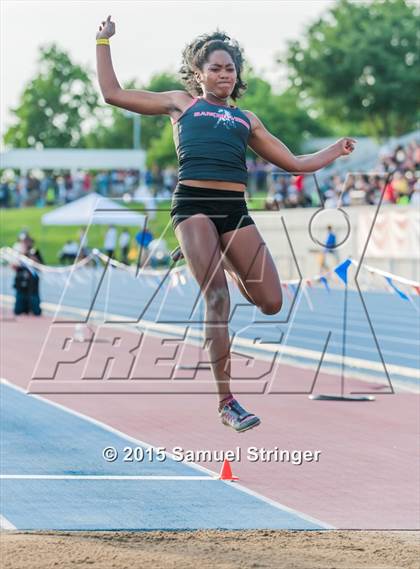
{"type": "Point", "coordinates": [203, 469]}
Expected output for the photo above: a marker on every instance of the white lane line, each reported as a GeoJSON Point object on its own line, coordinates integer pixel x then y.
{"type": "Point", "coordinates": [178, 331]}
{"type": "Point", "coordinates": [5, 524]}
{"type": "Point", "coordinates": [98, 477]}
{"type": "Point", "coordinates": [203, 469]}
{"type": "Point", "coordinates": [271, 502]}
{"type": "Point", "coordinates": [355, 333]}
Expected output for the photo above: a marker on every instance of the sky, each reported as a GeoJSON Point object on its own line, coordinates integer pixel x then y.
{"type": "Point", "coordinates": [150, 35]}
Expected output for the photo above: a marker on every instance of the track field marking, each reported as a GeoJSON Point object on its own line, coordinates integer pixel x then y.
{"type": "Point", "coordinates": [193, 465]}
{"type": "Point", "coordinates": [158, 329]}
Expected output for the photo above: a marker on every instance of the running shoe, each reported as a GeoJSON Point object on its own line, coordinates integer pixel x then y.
{"type": "Point", "coordinates": [235, 416]}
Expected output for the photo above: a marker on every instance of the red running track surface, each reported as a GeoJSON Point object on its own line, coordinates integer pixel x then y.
{"type": "Point", "coordinates": [367, 474]}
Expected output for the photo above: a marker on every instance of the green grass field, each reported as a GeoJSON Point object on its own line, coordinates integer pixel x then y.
{"type": "Point", "coordinates": [50, 239]}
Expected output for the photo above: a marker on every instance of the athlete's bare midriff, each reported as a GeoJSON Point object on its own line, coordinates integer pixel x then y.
{"type": "Point", "coordinates": [215, 184]}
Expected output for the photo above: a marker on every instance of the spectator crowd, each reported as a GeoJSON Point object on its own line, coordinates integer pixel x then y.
{"type": "Point", "coordinates": [283, 190]}
{"type": "Point", "coordinates": [402, 187]}
{"type": "Point", "coordinates": [142, 249]}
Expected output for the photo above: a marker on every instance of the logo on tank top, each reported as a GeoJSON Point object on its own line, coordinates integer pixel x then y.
{"type": "Point", "coordinates": [225, 119]}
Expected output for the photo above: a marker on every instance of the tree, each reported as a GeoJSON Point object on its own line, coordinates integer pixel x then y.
{"type": "Point", "coordinates": [113, 127]}
{"type": "Point", "coordinates": [55, 105]}
{"type": "Point", "coordinates": [162, 150]}
{"type": "Point", "coordinates": [282, 114]}
{"type": "Point", "coordinates": [153, 126]}
{"type": "Point", "coordinates": [359, 65]}
{"type": "Point", "coordinates": [114, 130]}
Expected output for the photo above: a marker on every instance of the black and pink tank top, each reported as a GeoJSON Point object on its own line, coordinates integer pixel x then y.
{"type": "Point", "coordinates": [211, 142]}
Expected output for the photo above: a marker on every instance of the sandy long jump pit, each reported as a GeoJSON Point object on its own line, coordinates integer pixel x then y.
{"type": "Point", "coordinates": [212, 549]}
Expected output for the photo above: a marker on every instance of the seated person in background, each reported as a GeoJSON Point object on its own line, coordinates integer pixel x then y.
{"type": "Point", "coordinates": [158, 253]}
{"type": "Point", "coordinates": [277, 190]}
{"type": "Point", "coordinates": [415, 196]}
{"type": "Point", "coordinates": [124, 243]}
{"type": "Point", "coordinates": [143, 239]}
{"type": "Point", "coordinates": [299, 183]}
{"type": "Point", "coordinates": [292, 197]}
{"type": "Point", "coordinates": [68, 253]}
{"type": "Point", "coordinates": [401, 187]}
{"type": "Point", "coordinates": [273, 201]}
{"type": "Point", "coordinates": [110, 241]}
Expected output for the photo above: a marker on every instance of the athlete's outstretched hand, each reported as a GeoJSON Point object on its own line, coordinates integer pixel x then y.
{"type": "Point", "coordinates": [106, 29]}
{"type": "Point", "coordinates": [346, 145]}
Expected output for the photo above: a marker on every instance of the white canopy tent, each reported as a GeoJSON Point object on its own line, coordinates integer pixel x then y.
{"type": "Point", "coordinates": [93, 209]}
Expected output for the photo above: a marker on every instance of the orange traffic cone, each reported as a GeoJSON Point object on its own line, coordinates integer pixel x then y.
{"type": "Point", "coordinates": [226, 472]}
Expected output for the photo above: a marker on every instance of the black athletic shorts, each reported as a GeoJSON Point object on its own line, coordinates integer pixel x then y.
{"type": "Point", "coordinates": [226, 208]}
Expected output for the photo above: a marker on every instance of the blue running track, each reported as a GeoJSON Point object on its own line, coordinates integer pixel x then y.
{"type": "Point", "coordinates": [40, 438]}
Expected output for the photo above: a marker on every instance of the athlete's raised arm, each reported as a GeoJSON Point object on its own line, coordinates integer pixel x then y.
{"type": "Point", "coordinates": [274, 151]}
{"type": "Point", "coordinates": [143, 102]}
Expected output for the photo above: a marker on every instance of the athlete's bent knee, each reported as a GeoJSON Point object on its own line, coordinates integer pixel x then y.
{"type": "Point", "coordinates": [272, 306]}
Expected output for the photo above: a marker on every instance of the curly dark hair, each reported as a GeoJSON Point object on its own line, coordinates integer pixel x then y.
{"type": "Point", "coordinates": [196, 53]}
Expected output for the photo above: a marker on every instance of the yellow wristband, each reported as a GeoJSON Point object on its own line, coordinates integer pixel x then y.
{"type": "Point", "coordinates": [102, 41]}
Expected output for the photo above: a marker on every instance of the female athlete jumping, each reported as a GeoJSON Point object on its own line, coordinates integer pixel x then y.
{"type": "Point", "coordinates": [209, 212]}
